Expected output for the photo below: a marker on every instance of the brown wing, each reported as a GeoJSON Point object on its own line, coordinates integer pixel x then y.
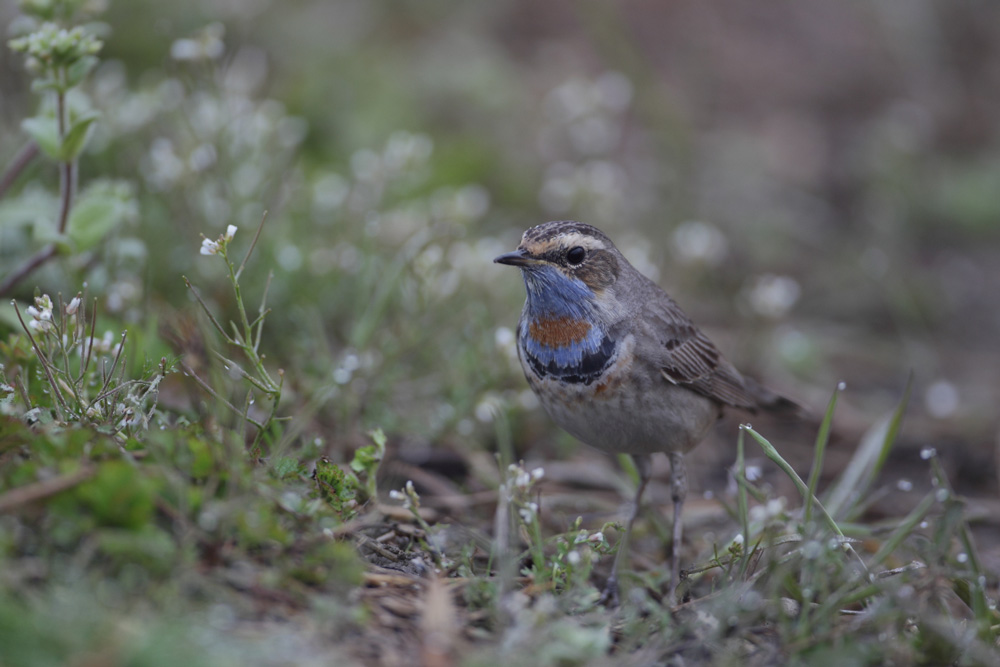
{"type": "Point", "coordinates": [687, 357]}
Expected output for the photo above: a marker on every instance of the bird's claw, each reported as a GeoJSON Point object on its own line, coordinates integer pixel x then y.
{"type": "Point", "coordinates": [609, 596]}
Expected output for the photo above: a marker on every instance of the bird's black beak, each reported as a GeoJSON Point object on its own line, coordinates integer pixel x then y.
{"type": "Point", "coordinates": [516, 258]}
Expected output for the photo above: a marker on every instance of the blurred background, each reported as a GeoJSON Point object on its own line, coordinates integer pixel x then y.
{"type": "Point", "coordinates": [816, 184]}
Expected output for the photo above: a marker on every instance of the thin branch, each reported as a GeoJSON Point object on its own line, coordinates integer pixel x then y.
{"type": "Point", "coordinates": [111, 376]}
{"type": "Point", "coordinates": [60, 401]}
{"type": "Point", "coordinates": [30, 493]}
{"type": "Point", "coordinates": [67, 185]}
{"type": "Point", "coordinates": [20, 162]}
{"type": "Point", "coordinates": [253, 244]}
{"type": "Point", "coordinates": [204, 306]}
{"type": "Point", "coordinates": [262, 311]}
{"type": "Point", "coordinates": [111, 391]}
{"type": "Point", "coordinates": [229, 363]}
{"type": "Point", "coordinates": [19, 274]}
{"type": "Point", "coordinates": [88, 343]}
{"type": "Point", "coordinates": [201, 383]}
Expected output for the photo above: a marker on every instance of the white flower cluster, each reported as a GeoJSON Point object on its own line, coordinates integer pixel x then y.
{"type": "Point", "coordinates": [408, 497]}
{"type": "Point", "coordinates": [522, 478]}
{"type": "Point", "coordinates": [519, 485]}
{"type": "Point", "coordinates": [41, 314]}
{"type": "Point", "coordinates": [210, 247]}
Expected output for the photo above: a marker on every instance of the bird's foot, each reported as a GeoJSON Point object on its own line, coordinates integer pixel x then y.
{"type": "Point", "coordinates": [609, 596]}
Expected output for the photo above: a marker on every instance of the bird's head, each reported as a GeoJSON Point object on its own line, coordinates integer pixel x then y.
{"type": "Point", "coordinates": [565, 263]}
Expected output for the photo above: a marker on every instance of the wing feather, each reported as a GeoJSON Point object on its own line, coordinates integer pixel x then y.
{"type": "Point", "coordinates": [687, 357]}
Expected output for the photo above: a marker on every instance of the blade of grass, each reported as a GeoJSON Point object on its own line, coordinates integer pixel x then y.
{"type": "Point", "coordinates": [822, 438]}
{"type": "Point", "coordinates": [741, 503]}
{"type": "Point", "coordinates": [867, 461]}
{"type": "Point", "coordinates": [849, 593]}
{"type": "Point", "coordinates": [974, 596]}
{"type": "Point", "coordinates": [904, 530]}
{"type": "Point", "coordinates": [773, 454]}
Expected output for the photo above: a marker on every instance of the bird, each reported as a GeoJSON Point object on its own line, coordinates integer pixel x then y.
{"type": "Point", "coordinates": [615, 362]}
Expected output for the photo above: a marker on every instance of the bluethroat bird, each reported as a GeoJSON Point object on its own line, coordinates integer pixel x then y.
{"type": "Point", "coordinates": [617, 363]}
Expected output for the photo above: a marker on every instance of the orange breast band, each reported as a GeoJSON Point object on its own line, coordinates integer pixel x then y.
{"type": "Point", "coordinates": [558, 332]}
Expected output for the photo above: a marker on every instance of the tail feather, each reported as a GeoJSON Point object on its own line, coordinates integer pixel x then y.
{"type": "Point", "coordinates": [773, 402]}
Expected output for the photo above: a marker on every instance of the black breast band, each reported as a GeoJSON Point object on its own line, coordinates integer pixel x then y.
{"type": "Point", "coordinates": [589, 369]}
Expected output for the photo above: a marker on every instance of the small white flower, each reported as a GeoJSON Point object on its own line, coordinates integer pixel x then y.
{"type": "Point", "coordinates": [41, 313]}
{"type": "Point", "coordinates": [42, 310]}
{"type": "Point", "coordinates": [537, 474]}
{"type": "Point", "coordinates": [73, 306]}
{"type": "Point", "coordinates": [738, 539]}
{"type": "Point", "coordinates": [230, 233]}
{"type": "Point", "coordinates": [573, 557]}
{"type": "Point", "coordinates": [396, 495]}
{"type": "Point", "coordinates": [597, 537]}
{"type": "Point", "coordinates": [209, 247]}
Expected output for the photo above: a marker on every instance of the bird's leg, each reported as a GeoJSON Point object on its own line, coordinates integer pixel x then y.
{"type": "Point", "coordinates": [643, 464]}
{"type": "Point", "coordinates": [678, 491]}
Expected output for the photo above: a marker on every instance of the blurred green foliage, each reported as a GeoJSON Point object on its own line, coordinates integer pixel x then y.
{"type": "Point", "coordinates": [397, 148]}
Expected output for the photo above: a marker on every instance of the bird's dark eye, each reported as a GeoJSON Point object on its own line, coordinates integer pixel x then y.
{"type": "Point", "coordinates": [575, 255]}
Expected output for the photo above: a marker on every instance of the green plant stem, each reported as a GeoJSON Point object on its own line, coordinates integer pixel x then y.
{"type": "Point", "coordinates": [247, 336]}
{"type": "Point", "coordinates": [67, 183]}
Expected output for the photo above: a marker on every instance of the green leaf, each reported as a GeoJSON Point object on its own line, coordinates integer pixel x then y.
{"type": "Point", "coordinates": [119, 495]}
{"type": "Point", "coordinates": [46, 84]}
{"type": "Point", "coordinates": [286, 467]}
{"type": "Point", "coordinates": [76, 138]}
{"type": "Point", "coordinates": [77, 71]}
{"type": "Point", "coordinates": [336, 486]}
{"type": "Point", "coordinates": [100, 209]}
{"type": "Point", "coordinates": [366, 459]}
{"type": "Point", "coordinates": [45, 131]}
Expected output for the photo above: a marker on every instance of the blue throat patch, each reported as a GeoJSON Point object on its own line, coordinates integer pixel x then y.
{"type": "Point", "coordinates": [554, 296]}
